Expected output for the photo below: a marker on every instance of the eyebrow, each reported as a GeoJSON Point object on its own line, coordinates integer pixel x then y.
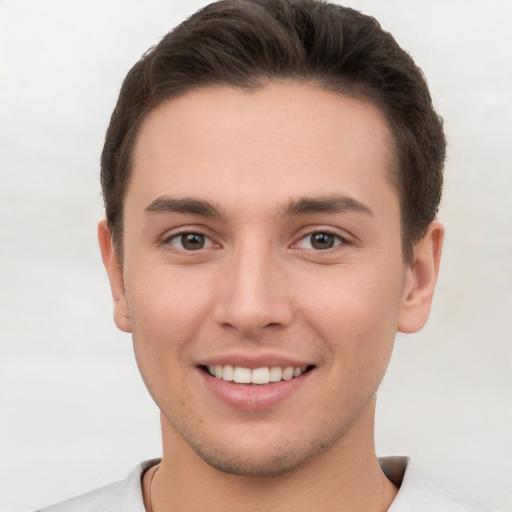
{"type": "Point", "coordinates": [165, 204]}
{"type": "Point", "coordinates": [295, 207]}
{"type": "Point", "coordinates": [329, 204]}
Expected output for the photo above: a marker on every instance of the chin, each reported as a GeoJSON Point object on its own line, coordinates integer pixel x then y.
{"type": "Point", "coordinates": [264, 461]}
{"type": "Point", "coordinates": [243, 465]}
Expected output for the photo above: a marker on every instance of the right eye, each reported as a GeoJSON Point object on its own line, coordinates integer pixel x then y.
{"type": "Point", "coordinates": [190, 241]}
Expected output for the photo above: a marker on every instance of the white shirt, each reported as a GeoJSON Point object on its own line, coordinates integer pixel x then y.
{"type": "Point", "coordinates": [416, 493]}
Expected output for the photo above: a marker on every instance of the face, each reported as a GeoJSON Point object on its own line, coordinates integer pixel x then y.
{"type": "Point", "coordinates": [262, 278]}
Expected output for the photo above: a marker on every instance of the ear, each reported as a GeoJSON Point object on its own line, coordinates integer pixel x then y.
{"type": "Point", "coordinates": [115, 276]}
{"type": "Point", "coordinates": [420, 280]}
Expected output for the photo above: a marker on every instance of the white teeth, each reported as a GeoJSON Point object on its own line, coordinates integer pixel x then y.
{"type": "Point", "coordinates": [242, 375]}
{"type": "Point", "coordinates": [263, 375]}
{"type": "Point", "coordinates": [288, 373]}
{"type": "Point", "coordinates": [228, 373]}
{"type": "Point", "coordinates": [276, 374]}
{"type": "Point", "coordinates": [260, 376]}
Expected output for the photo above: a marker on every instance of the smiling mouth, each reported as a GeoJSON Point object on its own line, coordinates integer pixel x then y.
{"type": "Point", "coordinates": [260, 376]}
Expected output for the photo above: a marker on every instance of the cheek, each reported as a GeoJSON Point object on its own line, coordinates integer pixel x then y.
{"type": "Point", "coordinates": [357, 314]}
{"type": "Point", "coordinates": [165, 315]}
{"type": "Point", "coordinates": [166, 306]}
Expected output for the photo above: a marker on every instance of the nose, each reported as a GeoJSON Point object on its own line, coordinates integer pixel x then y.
{"type": "Point", "coordinates": [253, 293]}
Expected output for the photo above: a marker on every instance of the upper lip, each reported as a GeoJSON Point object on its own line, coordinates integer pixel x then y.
{"type": "Point", "coordinates": [254, 361]}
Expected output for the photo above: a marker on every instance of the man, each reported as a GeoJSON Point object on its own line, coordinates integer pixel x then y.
{"type": "Point", "coordinates": [271, 175]}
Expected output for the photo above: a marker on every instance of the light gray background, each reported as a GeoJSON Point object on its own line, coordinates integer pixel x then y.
{"type": "Point", "coordinates": [74, 412]}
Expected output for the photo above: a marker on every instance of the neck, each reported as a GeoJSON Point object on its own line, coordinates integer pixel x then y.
{"type": "Point", "coordinates": [346, 478]}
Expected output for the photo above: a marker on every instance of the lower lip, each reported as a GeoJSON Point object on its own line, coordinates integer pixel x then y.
{"type": "Point", "coordinates": [253, 397]}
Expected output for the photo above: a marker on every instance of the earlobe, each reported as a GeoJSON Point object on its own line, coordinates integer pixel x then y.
{"type": "Point", "coordinates": [115, 275]}
{"type": "Point", "coordinates": [421, 280]}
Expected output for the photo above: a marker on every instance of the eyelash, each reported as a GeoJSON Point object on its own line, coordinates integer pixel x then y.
{"type": "Point", "coordinates": [180, 236]}
{"type": "Point", "coordinates": [337, 240]}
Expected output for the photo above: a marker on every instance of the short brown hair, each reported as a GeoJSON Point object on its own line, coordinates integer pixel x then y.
{"type": "Point", "coordinates": [247, 43]}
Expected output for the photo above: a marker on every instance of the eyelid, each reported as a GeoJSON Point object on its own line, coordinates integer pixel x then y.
{"type": "Point", "coordinates": [186, 230]}
{"type": "Point", "coordinates": [344, 239]}
{"type": "Point", "coordinates": [343, 236]}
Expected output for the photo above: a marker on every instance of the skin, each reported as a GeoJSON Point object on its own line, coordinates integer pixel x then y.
{"type": "Point", "coordinates": [259, 289]}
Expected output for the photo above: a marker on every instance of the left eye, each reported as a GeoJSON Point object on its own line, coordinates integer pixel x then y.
{"type": "Point", "coordinates": [190, 241]}
{"type": "Point", "coordinates": [319, 240]}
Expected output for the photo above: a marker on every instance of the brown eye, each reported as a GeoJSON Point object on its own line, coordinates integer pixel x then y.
{"type": "Point", "coordinates": [190, 241]}
{"type": "Point", "coordinates": [320, 240]}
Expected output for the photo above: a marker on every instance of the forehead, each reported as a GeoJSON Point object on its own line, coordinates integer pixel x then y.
{"type": "Point", "coordinates": [287, 139]}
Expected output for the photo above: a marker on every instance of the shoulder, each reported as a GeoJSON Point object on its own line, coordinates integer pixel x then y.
{"type": "Point", "coordinates": [122, 496]}
{"type": "Point", "coordinates": [417, 493]}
